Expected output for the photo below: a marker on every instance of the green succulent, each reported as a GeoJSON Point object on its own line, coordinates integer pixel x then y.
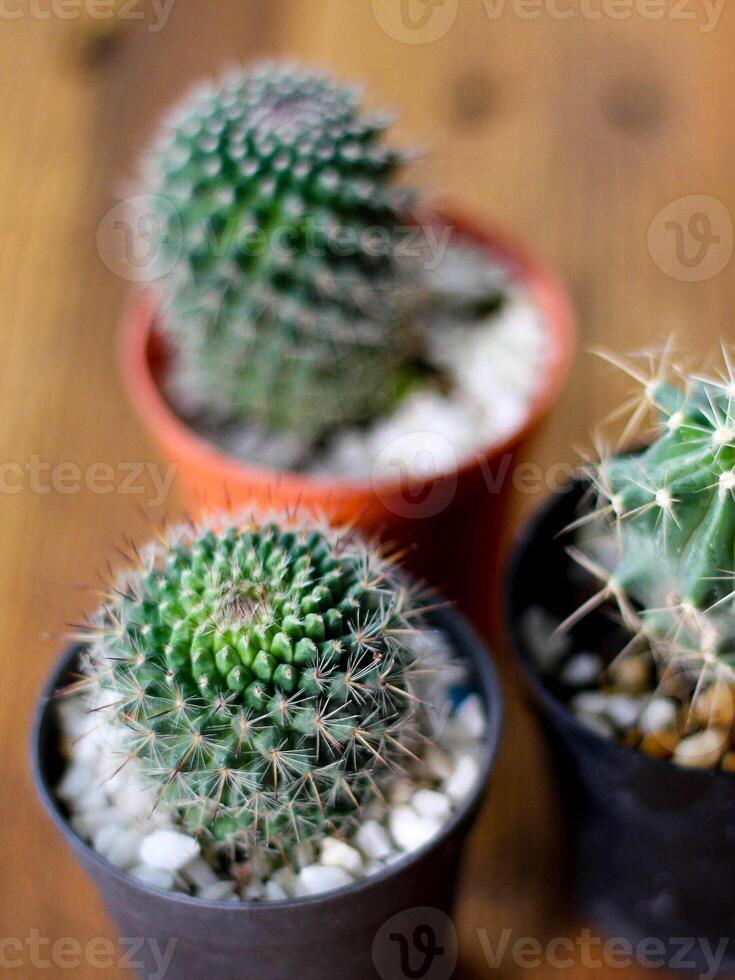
{"type": "Point", "coordinates": [669, 511]}
{"type": "Point", "coordinates": [261, 677]}
{"type": "Point", "coordinates": [281, 280]}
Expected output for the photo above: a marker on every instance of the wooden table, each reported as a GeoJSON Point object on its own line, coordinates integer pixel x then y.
{"type": "Point", "coordinates": [574, 133]}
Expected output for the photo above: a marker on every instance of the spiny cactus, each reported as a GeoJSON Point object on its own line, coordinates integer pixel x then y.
{"type": "Point", "coordinates": [672, 508]}
{"type": "Point", "coordinates": [261, 676]}
{"type": "Point", "coordinates": [282, 285]}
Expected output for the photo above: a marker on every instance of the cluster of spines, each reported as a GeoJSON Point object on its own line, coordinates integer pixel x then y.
{"type": "Point", "coordinates": [665, 551]}
{"type": "Point", "coordinates": [279, 249]}
{"type": "Point", "coordinates": [261, 678]}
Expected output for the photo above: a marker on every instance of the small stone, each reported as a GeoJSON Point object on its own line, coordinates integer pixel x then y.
{"type": "Point", "coordinates": [273, 891]}
{"type": "Point", "coordinates": [630, 675]}
{"type": "Point", "coordinates": [168, 849]}
{"type": "Point", "coordinates": [659, 745]}
{"type": "Point", "coordinates": [219, 891]}
{"type": "Point", "coordinates": [470, 717]}
{"type": "Point", "coordinates": [157, 877]}
{"type": "Point", "coordinates": [429, 803]}
{"type": "Point", "coordinates": [582, 670]}
{"type": "Point", "coordinates": [589, 703]}
{"type": "Point", "coordinates": [373, 840]}
{"type": "Point", "coordinates": [286, 879]}
{"type": "Point", "coordinates": [200, 873]}
{"type": "Point", "coordinates": [701, 751]}
{"type": "Point", "coordinates": [463, 779]}
{"type": "Point", "coordinates": [623, 711]}
{"type": "Point", "coordinates": [74, 783]}
{"type": "Point", "coordinates": [337, 854]}
{"type": "Point", "coordinates": [317, 878]}
{"type": "Point", "coordinates": [596, 723]}
{"type": "Point", "coordinates": [124, 852]}
{"type": "Point", "coordinates": [547, 646]}
{"type": "Point", "coordinates": [401, 792]}
{"type": "Point", "coordinates": [715, 708]}
{"type": "Point", "coordinates": [658, 715]}
{"type": "Point", "coordinates": [439, 763]}
{"type": "Point", "coordinates": [409, 830]}
{"type": "Point", "coordinates": [104, 838]}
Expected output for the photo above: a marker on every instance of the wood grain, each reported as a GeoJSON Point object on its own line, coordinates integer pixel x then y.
{"type": "Point", "coordinates": [571, 133]}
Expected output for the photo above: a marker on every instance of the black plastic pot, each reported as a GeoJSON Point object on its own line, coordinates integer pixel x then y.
{"type": "Point", "coordinates": [343, 935]}
{"type": "Point", "coordinates": [652, 845]}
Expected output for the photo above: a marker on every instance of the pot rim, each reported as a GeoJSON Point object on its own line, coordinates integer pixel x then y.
{"type": "Point", "coordinates": [463, 636]}
{"type": "Point", "coordinates": [547, 293]}
{"type": "Point", "coordinates": [553, 706]}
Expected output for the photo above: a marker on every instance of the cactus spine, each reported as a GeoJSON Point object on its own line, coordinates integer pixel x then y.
{"type": "Point", "coordinates": [281, 280]}
{"type": "Point", "coordinates": [261, 676]}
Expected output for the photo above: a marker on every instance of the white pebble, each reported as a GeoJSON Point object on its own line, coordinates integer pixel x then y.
{"type": "Point", "coordinates": [125, 851]}
{"type": "Point", "coordinates": [373, 840]}
{"type": "Point", "coordinates": [200, 873]}
{"type": "Point", "coordinates": [658, 715]}
{"type": "Point", "coordinates": [273, 891]}
{"type": "Point", "coordinates": [703, 750]}
{"type": "Point", "coordinates": [470, 717]}
{"type": "Point", "coordinates": [337, 854]}
{"type": "Point", "coordinates": [597, 724]}
{"type": "Point", "coordinates": [157, 877]}
{"type": "Point", "coordinates": [429, 803]}
{"type": "Point", "coordinates": [105, 837]}
{"type": "Point", "coordinates": [581, 670]}
{"type": "Point", "coordinates": [219, 891]}
{"type": "Point", "coordinates": [317, 878]}
{"type": "Point", "coordinates": [168, 849]}
{"type": "Point", "coordinates": [589, 703]}
{"type": "Point", "coordinates": [623, 711]}
{"type": "Point", "coordinates": [463, 778]}
{"type": "Point", "coordinates": [409, 830]}
{"type": "Point", "coordinates": [546, 645]}
{"type": "Point", "coordinates": [438, 763]}
{"type": "Point", "coordinates": [401, 792]}
{"type": "Point", "coordinates": [75, 782]}
{"type": "Point", "coordinates": [286, 879]}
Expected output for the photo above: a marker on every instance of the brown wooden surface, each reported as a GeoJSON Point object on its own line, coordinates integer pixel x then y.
{"type": "Point", "coordinates": [573, 134]}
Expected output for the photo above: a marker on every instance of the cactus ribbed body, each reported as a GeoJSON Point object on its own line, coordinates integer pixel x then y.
{"type": "Point", "coordinates": [260, 678]}
{"type": "Point", "coordinates": [672, 507]}
{"type": "Point", "coordinates": [281, 283]}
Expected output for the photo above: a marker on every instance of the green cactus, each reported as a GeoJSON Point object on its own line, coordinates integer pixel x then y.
{"type": "Point", "coordinates": [262, 677]}
{"type": "Point", "coordinates": [672, 509]}
{"type": "Point", "coordinates": [281, 280]}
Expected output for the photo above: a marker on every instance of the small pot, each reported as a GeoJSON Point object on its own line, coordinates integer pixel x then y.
{"type": "Point", "coordinates": [652, 845]}
{"type": "Point", "coordinates": [461, 508]}
{"type": "Point", "coordinates": [362, 931]}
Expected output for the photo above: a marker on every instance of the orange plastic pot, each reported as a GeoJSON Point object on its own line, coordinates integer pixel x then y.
{"type": "Point", "coordinates": [429, 512]}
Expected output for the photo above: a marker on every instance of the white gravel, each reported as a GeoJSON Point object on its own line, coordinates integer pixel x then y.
{"type": "Point", "coordinates": [118, 817]}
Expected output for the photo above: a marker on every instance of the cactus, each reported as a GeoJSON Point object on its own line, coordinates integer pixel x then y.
{"type": "Point", "coordinates": [261, 675]}
{"type": "Point", "coordinates": [280, 276]}
{"type": "Point", "coordinates": [670, 564]}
